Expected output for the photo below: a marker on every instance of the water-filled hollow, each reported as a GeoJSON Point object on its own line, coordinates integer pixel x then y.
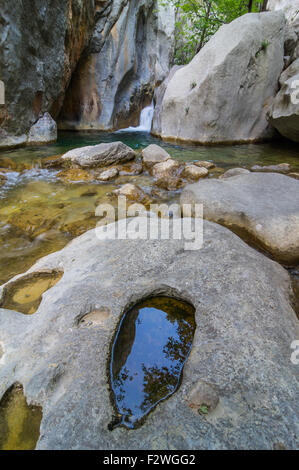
{"type": "Point", "coordinates": [25, 294]}
{"type": "Point", "coordinates": [19, 422]}
{"type": "Point", "coordinates": [149, 352]}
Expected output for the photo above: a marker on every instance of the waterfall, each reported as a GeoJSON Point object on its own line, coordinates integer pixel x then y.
{"type": "Point", "coordinates": [145, 123]}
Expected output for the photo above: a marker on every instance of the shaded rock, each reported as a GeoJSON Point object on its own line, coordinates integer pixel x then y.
{"type": "Point", "coordinates": [154, 154]}
{"type": "Point", "coordinates": [281, 168]}
{"type": "Point", "coordinates": [203, 394]}
{"type": "Point", "coordinates": [43, 131]}
{"type": "Point", "coordinates": [74, 175]}
{"type": "Point", "coordinates": [245, 325]}
{"type": "Point", "coordinates": [100, 155]}
{"type": "Point", "coordinates": [43, 44]}
{"type": "Point", "coordinates": [133, 193]}
{"type": "Point", "coordinates": [158, 99]}
{"type": "Point", "coordinates": [201, 105]}
{"type": "Point", "coordinates": [262, 207]}
{"type": "Point", "coordinates": [294, 175]}
{"type": "Point", "coordinates": [108, 174]}
{"type": "Point", "coordinates": [234, 172]}
{"type": "Point", "coordinates": [193, 172]}
{"type": "Point", "coordinates": [204, 164]}
{"type": "Point", "coordinates": [284, 113]}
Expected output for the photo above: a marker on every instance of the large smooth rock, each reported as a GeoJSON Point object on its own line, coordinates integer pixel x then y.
{"type": "Point", "coordinates": [41, 44]}
{"type": "Point", "coordinates": [224, 93]}
{"type": "Point", "coordinates": [158, 100]}
{"type": "Point", "coordinates": [289, 7]}
{"type": "Point", "coordinates": [264, 206]}
{"type": "Point", "coordinates": [43, 131]}
{"type": "Point", "coordinates": [240, 356]}
{"type": "Point", "coordinates": [284, 113]}
{"type": "Point", "coordinates": [100, 155]}
{"type": "Point", "coordinates": [129, 55]}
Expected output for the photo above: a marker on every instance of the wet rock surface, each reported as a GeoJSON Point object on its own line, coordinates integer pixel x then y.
{"type": "Point", "coordinates": [263, 206]}
{"type": "Point", "coordinates": [241, 349]}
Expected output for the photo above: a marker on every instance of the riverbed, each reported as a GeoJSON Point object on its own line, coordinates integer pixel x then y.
{"type": "Point", "coordinates": [40, 213]}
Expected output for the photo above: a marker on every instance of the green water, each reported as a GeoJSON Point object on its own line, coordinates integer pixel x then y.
{"type": "Point", "coordinates": [40, 213]}
{"type": "Point", "coordinates": [148, 355]}
{"type": "Point", "coordinates": [19, 422]}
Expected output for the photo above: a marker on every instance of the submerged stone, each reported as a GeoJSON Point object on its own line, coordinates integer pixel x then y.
{"type": "Point", "coordinates": [149, 352]}
{"type": "Point", "coordinates": [25, 295]}
{"type": "Point", "coordinates": [19, 422]}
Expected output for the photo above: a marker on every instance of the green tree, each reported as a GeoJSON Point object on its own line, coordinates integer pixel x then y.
{"type": "Point", "coordinates": [198, 20]}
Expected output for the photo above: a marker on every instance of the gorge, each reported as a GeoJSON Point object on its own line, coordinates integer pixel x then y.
{"type": "Point", "coordinates": [139, 343]}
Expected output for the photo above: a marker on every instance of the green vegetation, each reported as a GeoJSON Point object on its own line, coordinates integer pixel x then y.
{"type": "Point", "coordinates": [198, 20]}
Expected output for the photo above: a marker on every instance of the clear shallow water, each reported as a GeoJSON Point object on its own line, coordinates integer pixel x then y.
{"type": "Point", "coordinates": [150, 349]}
{"type": "Point", "coordinates": [40, 213]}
{"type": "Point", "coordinates": [19, 422]}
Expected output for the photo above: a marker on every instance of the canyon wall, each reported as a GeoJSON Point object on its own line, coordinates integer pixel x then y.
{"type": "Point", "coordinates": [94, 63]}
{"type": "Point", "coordinates": [118, 77]}
{"type": "Point", "coordinates": [41, 43]}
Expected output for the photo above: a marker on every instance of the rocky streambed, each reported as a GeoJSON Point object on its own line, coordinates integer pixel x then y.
{"type": "Point", "coordinates": [238, 387]}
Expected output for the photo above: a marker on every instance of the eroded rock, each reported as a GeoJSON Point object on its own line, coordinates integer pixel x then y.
{"type": "Point", "coordinates": [245, 325]}
{"type": "Point", "coordinates": [201, 105]}
{"type": "Point", "coordinates": [100, 155]}
{"type": "Point", "coordinates": [264, 206]}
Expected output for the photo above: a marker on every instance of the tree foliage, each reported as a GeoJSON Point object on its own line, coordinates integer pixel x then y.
{"type": "Point", "coordinates": [198, 20]}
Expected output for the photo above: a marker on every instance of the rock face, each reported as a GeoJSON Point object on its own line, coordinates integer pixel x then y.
{"type": "Point", "coordinates": [240, 355]}
{"type": "Point", "coordinates": [43, 131]}
{"type": "Point", "coordinates": [264, 206]}
{"type": "Point", "coordinates": [43, 44]}
{"type": "Point", "coordinates": [118, 76]}
{"type": "Point", "coordinates": [289, 7]}
{"type": "Point", "coordinates": [284, 113]}
{"type": "Point", "coordinates": [223, 94]}
{"type": "Point", "coordinates": [100, 155]}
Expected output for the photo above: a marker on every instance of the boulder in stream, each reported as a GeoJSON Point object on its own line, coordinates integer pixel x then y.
{"type": "Point", "coordinates": [262, 207]}
{"type": "Point", "coordinates": [99, 155]}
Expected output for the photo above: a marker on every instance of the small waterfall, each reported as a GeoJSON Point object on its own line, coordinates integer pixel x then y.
{"type": "Point", "coordinates": [145, 123]}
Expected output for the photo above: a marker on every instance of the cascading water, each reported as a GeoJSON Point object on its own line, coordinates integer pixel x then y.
{"type": "Point", "coordinates": [146, 119]}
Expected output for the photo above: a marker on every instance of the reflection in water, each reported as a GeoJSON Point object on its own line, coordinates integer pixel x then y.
{"type": "Point", "coordinates": [19, 423]}
{"type": "Point", "coordinates": [149, 352]}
